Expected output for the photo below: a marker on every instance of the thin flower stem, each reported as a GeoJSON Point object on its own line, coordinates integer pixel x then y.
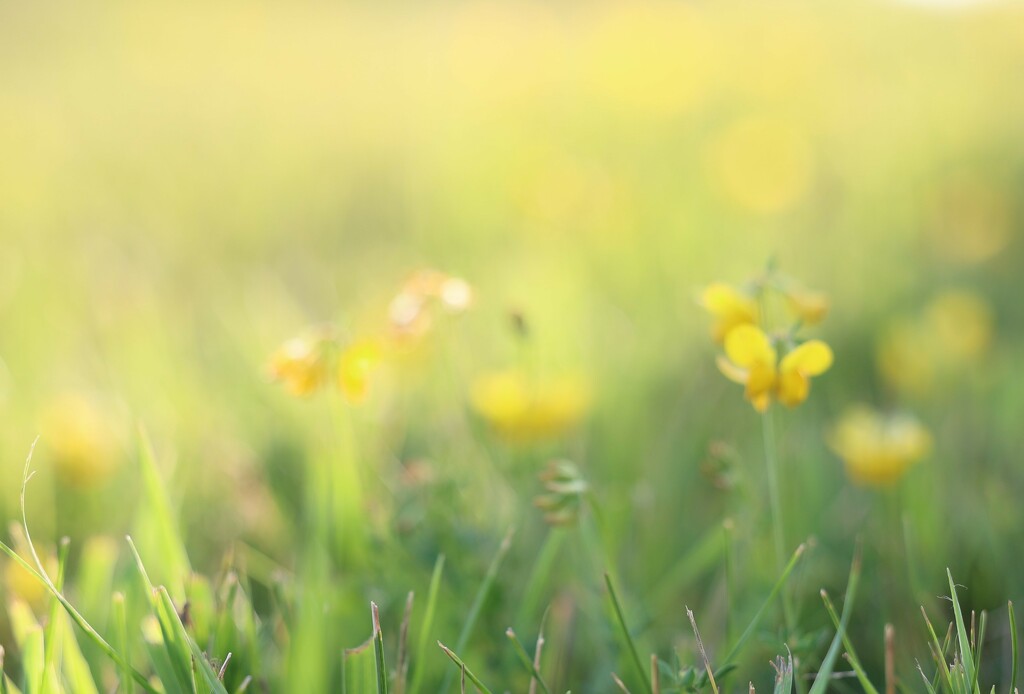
{"type": "Point", "coordinates": [771, 462]}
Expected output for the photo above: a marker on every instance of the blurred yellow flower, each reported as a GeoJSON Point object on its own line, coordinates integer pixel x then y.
{"type": "Point", "coordinates": [809, 306]}
{"type": "Point", "coordinates": [81, 438]}
{"type": "Point", "coordinates": [300, 364]}
{"type": "Point", "coordinates": [355, 369]}
{"type": "Point", "coordinates": [762, 164]}
{"type": "Point", "coordinates": [752, 361]}
{"type": "Point", "coordinates": [876, 449]}
{"type": "Point", "coordinates": [955, 328]}
{"type": "Point", "coordinates": [523, 409]}
{"type": "Point", "coordinates": [730, 307]}
{"type": "Point", "coordinates": [970, 218]}
{"type": "Point", "coordinates": [963, 323]}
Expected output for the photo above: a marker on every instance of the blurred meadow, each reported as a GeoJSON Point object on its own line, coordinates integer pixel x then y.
{"type": "Point", "coordinates": [379, 282]}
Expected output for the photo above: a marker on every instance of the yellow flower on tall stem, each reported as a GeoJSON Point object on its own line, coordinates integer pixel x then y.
{"type": "Point", "coordinates": [752, 361]}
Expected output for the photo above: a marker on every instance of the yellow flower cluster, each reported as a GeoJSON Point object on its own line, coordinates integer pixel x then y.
{"type": "Point", "coordinates": [877, 449]}
{"type": "Point", "coordinates": [752, 355]}
{"type": "Point", "coordinates": [307, 363]}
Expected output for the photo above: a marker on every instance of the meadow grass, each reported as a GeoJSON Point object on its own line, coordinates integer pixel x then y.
{"type": "Point", "coordinates": [386, 346]}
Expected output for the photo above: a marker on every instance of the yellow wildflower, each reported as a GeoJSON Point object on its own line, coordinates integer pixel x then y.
{"type": "Point", "coordinates": [877, 450]}
{"type": "Point", "coordinates": [730, 307]}
{"type": "Point", "coordinates": [355, 369]}
{"type": "Point", "coordinates": [962, 322]}
{"type": "Point", "coordinates": [810, 307]}
{"type": "Point", "coordinates": [752, 361]}
{"type": "Point", "coordinates": [917, 353]}
{"type": "Point", "coordinates": [81, 439]}
{"type": "Point", "coordinates": [300, 364]}
{"type": "Point", "coordinates": [523, 409]}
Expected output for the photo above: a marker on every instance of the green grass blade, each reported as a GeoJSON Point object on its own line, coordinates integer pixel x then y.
{"type": "Point", "coordinates": [428, 624]}
{"type": "Point", "coordinates": [821, 680]}
{"type": "Point", "coordinates": [704, 556]}
{"type": "Point", "coordinates": [40, 573]}
{"type": "Point", "coordinates": [626, 635]}
{"type": "Point", "coordinates": [378, 651]}
{"type": "Point", "coordinates": [524, 659]}
{"type": "Point", "coordinates": [966, 658]}
{"type": "Point", "coordinates": [52, 638]}
{"type": "Point", "coordinates": [851, 654]}
{"type": "Point", "coordinates": [478, 600]}
{"type": "Point", "coordinates": [539, 575]}
{"type": "Point", "coordinates": [939, 652]}
{"type": "Point", "coordinates": [33, 660]}
{"type": "Point", "coordinates": [982, 624]}
{"type": "Point", "coordinates": [784, 676]}
{"type": "Point", "coordinates": [465, 670]}
{"type": "Point", "coordinates": [186, 646]}
{"type": "Point", "coordinates": [1014, 653]}
{"type": "Point", "coordinates": [120, 619]}
{"type": "Point", "coordinates": [158, 530]}
{"type": "Point", "coordinates": [749, 631]}
{"type": "Point", "coordinates": [927, 684]}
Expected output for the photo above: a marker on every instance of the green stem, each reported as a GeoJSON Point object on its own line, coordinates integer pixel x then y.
{"type": "Point", "coordinates": [771, 463]}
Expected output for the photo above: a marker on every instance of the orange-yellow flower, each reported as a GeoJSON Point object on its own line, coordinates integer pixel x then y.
{"type": "Point", "coordinates": [300, 364]}
{"type": "Point", "coordinates": [752, 361]}
{"type": "Point", "coordinates": [524, 409]}
{"type": "Point", "coordinates": [877, 450]}
{"type": "Point", "coordinates": [729, 306]}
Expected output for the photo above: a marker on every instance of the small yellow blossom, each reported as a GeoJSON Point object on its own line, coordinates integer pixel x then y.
{"type": "Point", "coordinates": [752, 361]}
{"type": "Point", "coordinates": [876, 449]}
{"type": "Point", "coordinates": [810, 307]}
{"type": "Point", "coordinates": [729, 306]}
{"type": "Point", "coordinates": [914, 354]}
{"type": "Point", "coordinates": [81, 438]}
{"type": "Point", "coordinates": [300, 364]}
{"type": "Point", "coordinates": [355, 369]}
{"type": "Point", "coordinates": [524, 409]}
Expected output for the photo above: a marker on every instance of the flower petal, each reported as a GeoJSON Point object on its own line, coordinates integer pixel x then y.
{"type": "Point", "coordinates": [761, 379]}
{"type": "Point", "coordinates": [793, 388]}
{"type": "Point", "coordinates": [722, 299]}
{"type": "Point", "coordinates": [812, 358]}
{"type": "Point", "coordinates": [747, 345]}
{"type": "Point", "coordinates": [731, 371]}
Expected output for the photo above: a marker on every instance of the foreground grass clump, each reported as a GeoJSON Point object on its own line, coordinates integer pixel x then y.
{"type": "Point", "coordinates": [398, 576]}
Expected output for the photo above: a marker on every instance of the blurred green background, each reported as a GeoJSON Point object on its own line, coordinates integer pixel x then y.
{"type": "Point", "coordinates": [184, 186]}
